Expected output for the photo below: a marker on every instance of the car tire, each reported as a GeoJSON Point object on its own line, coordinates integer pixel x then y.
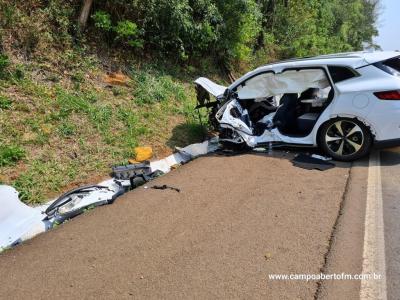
{"type": "Point", "coordinates": [345, 139]}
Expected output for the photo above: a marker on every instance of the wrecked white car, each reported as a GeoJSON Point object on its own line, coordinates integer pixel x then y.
{"type": "Point", "coordinates": [343, 103]}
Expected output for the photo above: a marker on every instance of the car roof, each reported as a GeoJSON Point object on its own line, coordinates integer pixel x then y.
{"type": "Point", "coordinates": [351, 59]}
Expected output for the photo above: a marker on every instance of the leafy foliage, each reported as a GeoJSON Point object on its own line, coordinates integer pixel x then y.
{"type": "Point", "coordinates": [102, 20]}
{"type": "Point", "coordinates": [128, 31]}
{"type": "Point", "coordinates": [230, 31]}
{"type": "Point", "coordinates": [311, 27]}
{"type": "Point", "coordinates": [240, 29]}
{"type": "Point", "coordinates": [234, 31]}
{"type": "Point", "coordinates": [125, 31]}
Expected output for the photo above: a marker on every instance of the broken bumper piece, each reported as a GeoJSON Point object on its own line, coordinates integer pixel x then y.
{"type": "Point", "coordinates": [78, 200]}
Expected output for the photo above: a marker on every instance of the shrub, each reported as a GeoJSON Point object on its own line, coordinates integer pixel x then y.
{"type": "Point", "coordinates": [102, 20]}
{"type": "Point", "coordinates": [125, 31]}
{"type": "Point", "coordinates": [128, 32]}
{"type": "Point", "coordinates": [180, 28]}
{"type": "Point", "coordinates": [61, 20]}
{"type": "Point", "coordinates": [241, 27]}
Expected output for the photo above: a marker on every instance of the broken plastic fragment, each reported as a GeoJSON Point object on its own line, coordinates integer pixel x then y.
{"type": "Point", "coordinates": [164, 187]}
{"type": "Point", "coordinates": [129, 171]}
{"type": "Point", "coordinates": [321, 157]}
{"type": "Point", "coordinates": [78, 200]}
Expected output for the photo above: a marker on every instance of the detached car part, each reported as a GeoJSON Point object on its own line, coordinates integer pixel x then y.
{"type": "Point", "coordinates": [128, 171]}
{"type": "Point", "coordinates": [76, 201]}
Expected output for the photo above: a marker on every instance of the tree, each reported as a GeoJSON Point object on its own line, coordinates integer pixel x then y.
{"type": "Point", "coordinates": [85, 12]}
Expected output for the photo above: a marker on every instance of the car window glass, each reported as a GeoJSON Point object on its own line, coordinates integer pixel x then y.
{"type": "Point", "coordinates": [341, 73]}
{"type": "Point", "coordinates": [393, 63]}
{"type": "Point", "coordinates": [390, 66]}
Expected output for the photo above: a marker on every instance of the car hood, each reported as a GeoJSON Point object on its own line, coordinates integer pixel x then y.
{"type": "Point", "coordinates": [210, 86]}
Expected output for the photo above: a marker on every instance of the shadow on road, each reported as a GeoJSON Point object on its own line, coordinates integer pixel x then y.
{"type": "Point", "coordinates": [288, 153]}
{"type": "Point", "coordinates": [390, 157]}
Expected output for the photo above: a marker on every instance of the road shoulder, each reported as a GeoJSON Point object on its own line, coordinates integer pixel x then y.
{"type": "Point", "coordinates": [345, 255]}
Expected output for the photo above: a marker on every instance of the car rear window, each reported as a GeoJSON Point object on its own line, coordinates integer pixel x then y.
{"type": "Point", "coordinates": [391, 66]}
{"type": "Point", "coordinates": [339, 73]}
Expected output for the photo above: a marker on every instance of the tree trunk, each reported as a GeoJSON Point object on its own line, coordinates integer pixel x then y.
{"type": "Point", "coordinates": [85, 11]}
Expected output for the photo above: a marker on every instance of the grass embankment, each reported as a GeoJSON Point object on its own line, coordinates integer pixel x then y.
{"type": "Point", "coordinates": [60, 129]}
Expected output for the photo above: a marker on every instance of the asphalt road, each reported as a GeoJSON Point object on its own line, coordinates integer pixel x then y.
{"type": "Point", "coordinates": [236, 221]}
{"type": "Point", "coordinates": [390, 166]}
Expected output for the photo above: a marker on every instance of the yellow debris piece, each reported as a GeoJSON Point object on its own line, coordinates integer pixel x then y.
{"type": "Point", "coordinates": [143, 153]}
{"type": "Point", "coordinates": [116, 79]}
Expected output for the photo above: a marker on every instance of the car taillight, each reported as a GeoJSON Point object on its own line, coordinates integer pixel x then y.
{"type": "Point", "coordinates": [388, 95]}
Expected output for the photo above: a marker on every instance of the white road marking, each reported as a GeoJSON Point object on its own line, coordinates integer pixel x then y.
{"type": "Point", "coordinates": [374, 239]}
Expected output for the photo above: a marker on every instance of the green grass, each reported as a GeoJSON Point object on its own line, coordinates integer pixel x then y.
{"type": "Point", "coordinates": [66, 129]}
{"type": "Point", "coordinates": [151, 87]}
{"type": "Point", "coordinates": [5, 102]}
{"type": "Point", "coordinates": [4, 63]}
{"type": "Point", "coordinates": [69, 130]}
{"type": "Point", "coordinates": [9, 155]}
{"type": "Point", "coordinates": [43, 176]}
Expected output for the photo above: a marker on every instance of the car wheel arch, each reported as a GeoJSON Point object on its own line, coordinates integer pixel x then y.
{"type": "Point", "coordinates": [338, 116]}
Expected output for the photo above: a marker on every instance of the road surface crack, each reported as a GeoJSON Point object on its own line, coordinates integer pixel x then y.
{"type": "Point", "coordinates": [332, 236]}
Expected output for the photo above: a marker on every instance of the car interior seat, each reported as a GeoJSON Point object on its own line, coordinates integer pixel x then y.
{"type": "Point", "coordinates": [308, 94]}
{"type": "Point", "coordinates": [306, 121]}
{"type": "Point", "coordinates": [285, 116]}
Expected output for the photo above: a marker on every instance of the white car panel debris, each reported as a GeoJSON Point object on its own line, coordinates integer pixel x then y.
{"type": "Point", "coordinates": [184, 155]}
{"type": "Point", "coordinates": [20, 222]}
{"type": "Point", "coordinates": [16, 218]}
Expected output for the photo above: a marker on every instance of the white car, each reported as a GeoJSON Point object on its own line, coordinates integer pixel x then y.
{"type": "Point", "coordinates": [344, 103]}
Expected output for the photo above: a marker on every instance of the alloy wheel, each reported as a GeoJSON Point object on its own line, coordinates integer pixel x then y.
{"type": "Point", "coordinates": [344, 137]}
